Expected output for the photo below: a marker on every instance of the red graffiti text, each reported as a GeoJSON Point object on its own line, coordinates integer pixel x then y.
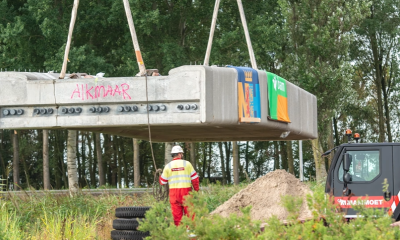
{"type": "Point", "coordinates": [85, 92]}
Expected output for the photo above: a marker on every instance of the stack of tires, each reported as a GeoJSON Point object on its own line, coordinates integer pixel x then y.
{"type": "Point", "coordinates": [127, 222]}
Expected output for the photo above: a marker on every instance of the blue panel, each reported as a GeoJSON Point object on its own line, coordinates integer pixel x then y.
{"type": "Point", "coordinates": [248, 93]}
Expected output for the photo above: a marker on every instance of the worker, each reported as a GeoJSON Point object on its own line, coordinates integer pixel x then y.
{"type": "Point", "coordinates": [358, 167]}
{"type": "Point", "coordinates": [181, 176]}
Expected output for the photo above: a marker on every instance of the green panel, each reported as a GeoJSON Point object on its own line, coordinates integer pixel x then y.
{"type": "Point", "coordinates": [276, 86]}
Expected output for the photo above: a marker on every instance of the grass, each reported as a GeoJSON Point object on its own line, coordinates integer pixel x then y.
{"type": "Point", "coordinates": [9, 224]}
{"type": "Point", "coordinates": [51, 217]}
{"type": "Point", "coordinates": [62, 217]}
{"type": "Point", "coordinates": [216, 194]}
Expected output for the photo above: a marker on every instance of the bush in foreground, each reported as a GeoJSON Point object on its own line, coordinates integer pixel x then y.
{"type": "Point", "coordinates": [326, 223]}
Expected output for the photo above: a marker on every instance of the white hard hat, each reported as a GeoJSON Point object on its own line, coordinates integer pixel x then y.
{"type": "Point", "coordinates": [177, 149]}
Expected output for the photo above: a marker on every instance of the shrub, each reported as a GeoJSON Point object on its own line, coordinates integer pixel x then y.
{"type": "Point", "coordinates": [327, 222]}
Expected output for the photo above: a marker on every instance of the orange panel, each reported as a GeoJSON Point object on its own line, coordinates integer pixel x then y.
{"type": "Point", "coordinates": [283, 114]}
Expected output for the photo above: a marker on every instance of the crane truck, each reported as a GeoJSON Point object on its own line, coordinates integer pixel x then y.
{"type": "Point", "coordinates": [357, 174]}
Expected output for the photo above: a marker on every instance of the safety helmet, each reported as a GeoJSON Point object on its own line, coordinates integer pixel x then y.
{"type": "Point", "coordinates": [177, 149]}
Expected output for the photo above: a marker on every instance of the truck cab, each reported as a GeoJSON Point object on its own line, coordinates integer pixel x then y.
{"type": "Point", "coordinates": [361, 182]}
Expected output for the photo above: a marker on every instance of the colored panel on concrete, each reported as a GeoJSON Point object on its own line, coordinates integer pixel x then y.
{"type": "Point", "coordinates": [277, 98]}
{"type": "Point", "coordinates": [249, 106]}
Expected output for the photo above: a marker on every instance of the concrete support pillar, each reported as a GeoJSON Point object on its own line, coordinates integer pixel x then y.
{"type": "Point", "coordinates": [136, 165]}
{"type": "Point", "coordinates": [235, 162]}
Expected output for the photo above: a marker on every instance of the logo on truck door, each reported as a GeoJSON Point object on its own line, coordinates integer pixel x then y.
{"type": "Point", "coordinates": [367, 201]}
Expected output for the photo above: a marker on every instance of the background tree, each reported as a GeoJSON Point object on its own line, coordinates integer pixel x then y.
{"type": "Point", "coordinates": [16, 179]}
{"type": "Point", "coordinates": [71, 163]}
{"type": "Point", "coordinates": [375, 51]}
{"type": "Point", "coordinates": [46, 169]}
{"type": "Point", "coordinates": [320, 33]}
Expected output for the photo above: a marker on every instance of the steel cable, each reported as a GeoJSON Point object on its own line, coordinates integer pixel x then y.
{"type": "Point", "coordinates": [160, 193]}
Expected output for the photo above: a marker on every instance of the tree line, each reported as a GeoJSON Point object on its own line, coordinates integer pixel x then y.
{"type": "Point", "coordinates": [22, 151]}
{"type": "Point", "coordinates": [344, 52]}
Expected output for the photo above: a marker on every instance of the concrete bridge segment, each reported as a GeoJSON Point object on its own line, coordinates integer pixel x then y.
{"type": "Point", "coordinates": [192, 103]}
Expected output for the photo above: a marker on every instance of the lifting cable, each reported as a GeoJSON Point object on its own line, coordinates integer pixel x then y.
{"type": "Point", "coordinates": [159, 192]}
{"type": "Point", "coordinates": [70, 31]}
{"type": "Point", "coordinates": [246, 33]}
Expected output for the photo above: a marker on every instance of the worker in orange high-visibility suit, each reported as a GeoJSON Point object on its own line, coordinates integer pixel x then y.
{"type": "Point", "coordinates": [180, 175]}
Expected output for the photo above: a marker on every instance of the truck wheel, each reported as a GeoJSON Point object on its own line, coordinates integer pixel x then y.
{"type": "Point", "coordinates": [128, 235]}
{"type": "Point", "coordinates": [131, 212]}
{"type": "Point", "coordinates": [125, 224]}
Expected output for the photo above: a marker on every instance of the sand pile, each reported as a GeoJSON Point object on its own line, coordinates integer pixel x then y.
{"type": "Point", "coordinates": [264, 195]}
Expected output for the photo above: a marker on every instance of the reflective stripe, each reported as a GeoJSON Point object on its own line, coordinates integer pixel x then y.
{"type": "Point", "coordinates": [163, 182]}
{"type": "Point", "coordinates": [179, 176]}
{"type": "Point", "coordinates": [169, 165]}
{"type": "Point", "coordinates": [184, 163]}
{"type": "Point", "coordinates": [179, 181]}
{"type": "Point", "coordinates": [193, 172]}
{"type": "Point", "coordinates": [164, 178]}
{"type": "Point", "coordinates": [195, 177]}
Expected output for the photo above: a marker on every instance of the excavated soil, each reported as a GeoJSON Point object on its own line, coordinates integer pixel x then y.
{"type": "Point", "coordinates": [264, 195]}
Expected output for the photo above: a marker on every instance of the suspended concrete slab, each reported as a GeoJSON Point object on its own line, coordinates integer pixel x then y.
{"type": "Point", "coordinates": [192, 103]}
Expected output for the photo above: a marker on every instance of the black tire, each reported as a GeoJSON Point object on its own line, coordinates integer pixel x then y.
{"type": "Point", "coordinates": [126, 223]}
{"type": "Point", "coordinates": [131, 212]}
{"type": "Point", "coordinates": [128, 235]}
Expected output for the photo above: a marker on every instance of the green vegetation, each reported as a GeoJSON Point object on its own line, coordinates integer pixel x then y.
{"type": "Point", "coordinates": [325, 224]}
{"type": "Point", "coordinates": [52, 217]}
{"type": "Point", "coordinates": [87, 217]}
{"type": "Point", "coordinates": [43, 216]}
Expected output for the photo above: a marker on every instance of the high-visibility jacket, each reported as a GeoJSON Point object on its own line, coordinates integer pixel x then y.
{"type": "Point", "coordinates": [180, 173]}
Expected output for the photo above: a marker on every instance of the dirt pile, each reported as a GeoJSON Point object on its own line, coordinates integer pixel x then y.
{"type": "Point", "coordinates": [264, 195]}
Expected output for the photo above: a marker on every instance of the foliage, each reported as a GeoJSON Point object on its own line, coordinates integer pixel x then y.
{"type": "Point", "coordinates": [375, 52]}
{"type": "Point", "coordinates": [320, 34]}
{"type": "Point", "coordinates": [160, 223]}
{"type": "Point", "coordinates": [53, 217]}
{"type": "Point", "coordinates": [325, 224]}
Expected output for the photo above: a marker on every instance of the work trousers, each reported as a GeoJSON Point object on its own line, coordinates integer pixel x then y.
{"type": "Point", "coordinates": [176, 199]}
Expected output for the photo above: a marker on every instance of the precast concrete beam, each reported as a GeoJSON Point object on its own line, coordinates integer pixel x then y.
{"type": "Point", "coordinates": [192, 103]}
